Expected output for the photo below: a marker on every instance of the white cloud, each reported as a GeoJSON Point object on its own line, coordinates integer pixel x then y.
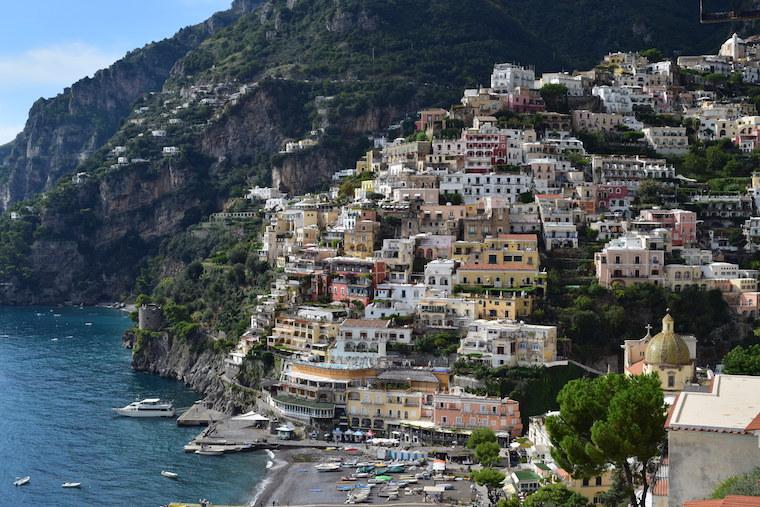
{"type": "Point", "coordinates": [57, 65]}
{"type": "Point", "coordinates": [8, 133]}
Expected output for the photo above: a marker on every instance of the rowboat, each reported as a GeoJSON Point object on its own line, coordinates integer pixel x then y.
{"type": "Point", "coordinates": [169, 475]}
{"type": "Point", "coordinates": [70, 485]}
{"type": "Point", "coordinates": [327, 467]}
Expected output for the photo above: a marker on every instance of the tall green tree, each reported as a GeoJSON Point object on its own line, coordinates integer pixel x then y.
{"type": "Point", "coordinates": [479, 436]}
{"type": "Point", "coordinates": [555, 495]}
{"type": "Point", "coordinates": [743, 361]}
{"type": "Point", "coordinates": [487, 453]}
{"type": "Point", "coordinates": [492, 480]}
{"type": "Point", "coordinates": [613, 420]}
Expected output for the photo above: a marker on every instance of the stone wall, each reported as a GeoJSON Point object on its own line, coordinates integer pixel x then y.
{"type": "Point", "coordinates": [701, 460]}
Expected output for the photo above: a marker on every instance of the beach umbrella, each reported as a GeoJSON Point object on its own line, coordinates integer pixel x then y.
{"type": "Point", "coordinates": [370, 434]}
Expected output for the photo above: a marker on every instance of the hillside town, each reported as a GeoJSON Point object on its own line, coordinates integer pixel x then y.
{"type": "Point", "coordinates": [427, 262]}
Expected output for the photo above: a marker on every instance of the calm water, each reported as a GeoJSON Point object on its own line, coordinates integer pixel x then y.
{"type": "Point", "coordinates": [59, 378]}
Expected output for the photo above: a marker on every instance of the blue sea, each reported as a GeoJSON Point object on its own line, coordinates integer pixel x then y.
{"type": "Point", "coordinates": [61, 372]}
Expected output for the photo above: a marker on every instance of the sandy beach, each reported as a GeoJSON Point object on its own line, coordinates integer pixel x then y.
{"type": "Point", "coordinates": [293, 481]}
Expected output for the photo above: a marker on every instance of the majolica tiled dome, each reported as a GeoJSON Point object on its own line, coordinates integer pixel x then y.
{"type": "Point", "coordinates": [666, 347]}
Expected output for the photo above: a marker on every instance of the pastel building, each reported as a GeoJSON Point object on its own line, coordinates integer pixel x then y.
{"type": "Point", "coordinates": [667, 354]}
{"type": "Point", "coordinates": [681, 224]}
{"type": "Point", "coordinates": [509, 343]}
{"type": "Point", "coordinates": [363, 342]}
{"type": "Point", "coordinates": [460, 411]}
{"type": "Point", "coordinates": [630, 259]}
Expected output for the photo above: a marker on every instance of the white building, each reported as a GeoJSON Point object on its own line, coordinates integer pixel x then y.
{"type": "Point", "coordinates": [474, 186]}
{"type": "Point", "coordinates": [509, 343]}
{"type": "Point", "coordinates": [263, 193]}
{"type": "Point", "coordinates": [363, 342]}
{"type": "Point", "coordinates": [507, 76]}
{"type": "Point", "coordinates": [395, 299]}
{"type": "Point", "coordinates": [574, 84]}
{"type": "Point", "coordinates": [616, 99]}
{"type": "Point", "coordinates": [713, 435]}
{"type": "Point", "coordinates": [668, 140]}
{"type": "Point", "coordinates": [439, 275]}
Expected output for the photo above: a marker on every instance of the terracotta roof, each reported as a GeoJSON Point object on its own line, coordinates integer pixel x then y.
{"type": "Point", "coordinates": [729, 501]}
{"type": "Point", "coordinates": [661, 487]}
{"type": "Point", "coordinates": [375, 323]}
{"type": "Point", "coordinates": [754, 425]}
{"type": "Point", "coordinates": [636, 368]}
{"type": "Point", "coordinates": [498, 267]}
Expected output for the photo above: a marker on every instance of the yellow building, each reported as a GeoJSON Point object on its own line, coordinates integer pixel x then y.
{"type": "Point", "coordinates": [592, 488]}
{"type": "Point", "coordinates": [501, 276]}
{"type": "Point", "coordinates": [499, 305]}
{"type": "Point", "coordinates": [516, 249]}
{"type": "Point", "coordinates": [360, 242]}
{"type": "Point", "coordinates": [303, 335]}
{"type": "Point", "coordinates": [367, 163]}
{"type": "Point", "coordinates": [395, 395]}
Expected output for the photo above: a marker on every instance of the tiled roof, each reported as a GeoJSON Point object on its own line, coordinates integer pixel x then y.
{"type": "Point", "coordinates": [374, 323]}
{"type": "Point", "coordinates": [636, 368]}
{"type": "Point", "coordinates": [754, 425]}
{"type": "Point", "coordinates": [729, 501]}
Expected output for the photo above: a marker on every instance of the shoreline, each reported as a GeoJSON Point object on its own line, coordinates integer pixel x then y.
{"type": "Point", "coordinates": [274, 477]}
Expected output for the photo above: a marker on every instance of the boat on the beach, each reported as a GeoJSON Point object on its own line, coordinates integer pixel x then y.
{"type": "Point", "coordinates": [70, 485]}
{"type": "Point", "coordinates": [169, 475]}
{"type": "Point", "coordinates": [358, 496]}
{"type": "Point", "coordinates": [327, 467]}
{"type": "Point", "coordinates": [22, 481]}
{"type": "Point", "coordinates": [149, 407]}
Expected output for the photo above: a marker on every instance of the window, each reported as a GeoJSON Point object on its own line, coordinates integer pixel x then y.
{"type": "Point", "coordinates": [599, 480]}
{"type": "Point", "coordinates": [617, 259]}
{"type": "Point", "coordinates": [671, 380]}
{"type": "Point", "coordinates": [585, 482]}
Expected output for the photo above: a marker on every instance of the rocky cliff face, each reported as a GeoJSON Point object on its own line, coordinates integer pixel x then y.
{"type": "Point", "coordinates": [180, 359]}
{"type": "Point", "coordinates": [63, 131]}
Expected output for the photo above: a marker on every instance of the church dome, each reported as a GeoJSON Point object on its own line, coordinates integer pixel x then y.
{"type": "Point", "coordinates": [666, 347]}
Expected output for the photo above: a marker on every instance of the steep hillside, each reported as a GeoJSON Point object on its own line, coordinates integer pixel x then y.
{"type": "Point", "coordinates": [63, 131]}
{"type": "Point", "coordinates": [230, 92]}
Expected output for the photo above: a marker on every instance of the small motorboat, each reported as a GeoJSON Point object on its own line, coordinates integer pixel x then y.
{"type": "Point", "coordinates": [206, 451]}
{"type": "Point", "coordinates": [22, 481]}
{"type": "Point", "coordinates": [327, 467]}
{"type": "Point", "coordinates": [69, 485]}
{"type": "Point", "coordinates": [169, 475]}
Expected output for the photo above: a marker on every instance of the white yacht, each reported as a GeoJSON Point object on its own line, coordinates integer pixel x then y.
{"type": "Point", "coordinates": [149, 407]}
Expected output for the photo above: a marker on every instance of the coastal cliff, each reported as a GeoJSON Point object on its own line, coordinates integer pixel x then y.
{"type": "Point", "coordinates": [193, 362]}
{"type": "Point", "coordinates": [63, 131]}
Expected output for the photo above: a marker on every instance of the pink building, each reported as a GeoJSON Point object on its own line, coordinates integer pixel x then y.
{"type": "Point", "coordinates": [524, 100]}
{"type": "Point", "coordinates": [612, 197]}
{"type": "Point", "coordinates": [467, 411]}
{"type": "Point", "coordinates": [630, 259]}
{"type": "Point", "coordinates": [682, 224]}
{"type": "Point", "coordinates": [749, 304]}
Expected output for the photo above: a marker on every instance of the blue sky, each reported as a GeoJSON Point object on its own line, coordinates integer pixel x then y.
{"type": "Point", "coordinates": [46, 45]}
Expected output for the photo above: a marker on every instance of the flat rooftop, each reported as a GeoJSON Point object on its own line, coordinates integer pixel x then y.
{"type": "Point", "coordinates": [731, 405]}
